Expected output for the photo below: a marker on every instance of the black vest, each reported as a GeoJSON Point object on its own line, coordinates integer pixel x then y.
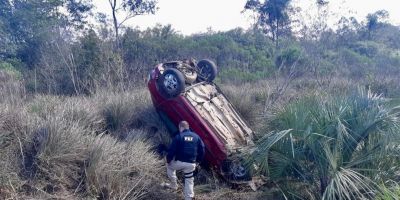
{"type": "Point", "coordinates": [187, 147]}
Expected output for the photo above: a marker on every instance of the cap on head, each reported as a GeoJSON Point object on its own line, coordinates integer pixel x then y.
{"type": "Point", "coordinates": [183, 125]}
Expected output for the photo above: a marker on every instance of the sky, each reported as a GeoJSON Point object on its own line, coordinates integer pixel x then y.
{"type": "Point", "coordinates": [195, 16]}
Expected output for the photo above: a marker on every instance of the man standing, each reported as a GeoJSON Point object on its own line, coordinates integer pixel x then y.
{"type": "Point", "coordinates": [185, 151]}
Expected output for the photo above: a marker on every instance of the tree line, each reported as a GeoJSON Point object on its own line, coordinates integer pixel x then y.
{"type": "Point", "coordinates": [54, 47]}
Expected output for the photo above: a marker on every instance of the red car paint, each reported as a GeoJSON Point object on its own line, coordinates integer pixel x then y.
{"type": "Point", "coordinates": [178, 109]}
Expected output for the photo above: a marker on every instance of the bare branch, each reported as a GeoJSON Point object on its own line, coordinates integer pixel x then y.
{"type": "Point", "coordinates": [127, 17]}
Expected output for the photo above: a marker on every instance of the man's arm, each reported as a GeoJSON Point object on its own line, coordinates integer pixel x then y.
{"type": "Point", "coordinates": [172, 149]}
{"type": "Point", "coordinates": [200, 151]}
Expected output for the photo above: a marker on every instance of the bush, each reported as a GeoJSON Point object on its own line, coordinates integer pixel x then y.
{"type": "Point", "coordinates": [367, 48]}
{"type": "Point", "coordinates": [235, 75]}
{"type": "Point", "coordinates": [288, 57]}
{"type": "Point", "coordinates": [389, 192]}
{"type": "Point", "coordinates": [328, 147]}
{"type": "Point", "coordinates": [356, 63]}
{"type": "Point", "coordinates": [10, 69]}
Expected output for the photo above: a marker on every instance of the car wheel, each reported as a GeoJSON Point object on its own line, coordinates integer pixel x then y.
{"type": "Point", "coordinates": [207, 70]}
{"type": "Point", "coordinates": [234, 170]}
{"type": "Point", "coordinates": [171, 83]}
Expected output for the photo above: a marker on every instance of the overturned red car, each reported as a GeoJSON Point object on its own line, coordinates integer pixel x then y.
{"type": "Point", "coordinates": [183, 90]}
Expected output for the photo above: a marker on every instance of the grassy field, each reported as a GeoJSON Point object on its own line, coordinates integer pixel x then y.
{"type": "Point", "coordinates": [102, 146]}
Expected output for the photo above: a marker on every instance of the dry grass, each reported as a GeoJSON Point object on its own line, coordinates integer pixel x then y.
{"type": "Point", "coordinates": [248, 100]}
{"type": "Point", "coordinates": [258, 102]}
{"type": "Point", "coordinates": [125, 111]}
{"type": "Point", "coordinates": [58, 147]}
{"type": "Point", "coordinates": [244, 192]}
{"type": "Point", "coordinates": [119, 170]}
{"type": "Point", "coordinates": [11, 88]}
{"type": "Point", "coordinates": [101, 146]}
{"type": "Point", "coordinates": [13, 135]}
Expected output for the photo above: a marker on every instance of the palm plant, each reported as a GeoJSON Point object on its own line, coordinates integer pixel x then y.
{"type": "Point", "coordinates": [340, 147]}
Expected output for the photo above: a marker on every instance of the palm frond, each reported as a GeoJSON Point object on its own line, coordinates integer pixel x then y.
{"type": "Point", "coordinates": [349, 184]}
{"type": "Point", "coordinates": [339, 147]}
{"type": "Point", "coordinates": [261, 154]}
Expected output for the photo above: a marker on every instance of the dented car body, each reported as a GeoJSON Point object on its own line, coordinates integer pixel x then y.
{"type": "Point", "coordinates": [211, 116]}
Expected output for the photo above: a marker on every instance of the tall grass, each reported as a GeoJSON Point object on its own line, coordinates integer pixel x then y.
{"type": "Point", "coordinates": [331, 147]}
{"type": "Point", "coordinates": [121, 170]}
{"type": "Point", "coordinates": [11, 87]}
{"type": "Point", "coordinates": [63, 147]}
{"type": "Point", "coordinates": [129, 110]}
{"type": "Point", "coordinates": [14, 133]}
{"type": "Point", "coordinates": [101, 146]}
{"type": "Point", "coordinates": [249, 100]}
{"type": "Point", "coordinates": [257, 102]}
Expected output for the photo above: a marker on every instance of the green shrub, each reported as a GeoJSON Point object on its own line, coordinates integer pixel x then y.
{"type": "Point", "coordinates": [331, 147]}
{"type": "Point", "coordinates": [10, 69]}
{"type": "Point", "coordinates": [389, 193]}
{"type": "Point", "coordinates": [351, 57]}
{"type": "Point", "coordinates": [288, 56]}
{"type": "Point", "coordinates": [262, 64]}
{"type": "Point", "coordinates": [237, 75]}
{"type": "Point", "coordinates": [367, 48]}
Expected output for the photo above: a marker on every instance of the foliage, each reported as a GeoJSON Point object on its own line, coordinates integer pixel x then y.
{"type": "Point", "coordinates": [273, 16]}
{"type": "Point", "coordinates": [334, 147]}
{"type": "Point", "coordinates": [288, 57]}
{"type": "Point", "coordinates": [131, 8]}
{"type": "Point", "coordinates": [29, 23]}
{"type": "Point", "coordinates": [321, 147]}
{"type": "Point", "coordinates": [54, 60]}
{"type": "Point", "coordinates": [9, 68]}
{"type": "Point", "coordinates": [367, 48]}
{"type": "Point", "coordinates": [375, 19]}
{"type": "Point", "coordinates": [391, 192]}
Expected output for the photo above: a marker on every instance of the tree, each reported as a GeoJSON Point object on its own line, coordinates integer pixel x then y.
{"type": "Point", "coordinates": [374, 20]}
{"type": "Point", "coordinates": [29, 23]}
{"type": "Point", "coordinates": [132, 8]}
{"type": "Point", "coordinates": [78, 11]}
{"type": "Point", "coordinates": [347, 30]}
{"type": "Point", "coordinates": [319, 25]}
{"type": "Point", "coordinates": [273, 16]}
{"type": "Point", "coordinates": [6, 47]}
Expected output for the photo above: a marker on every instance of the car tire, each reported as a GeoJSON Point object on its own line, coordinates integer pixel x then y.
{"type": "Point", "coordinates": [207, 70]}
{"type": "Point", "coordinates": [235, 171]}
{"type": "Point", "coordinates": [171, 83]}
